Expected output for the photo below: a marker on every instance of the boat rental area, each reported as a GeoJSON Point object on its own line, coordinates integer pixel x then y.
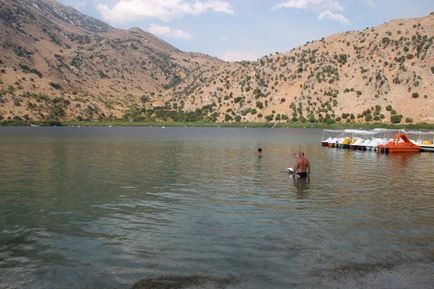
{"type": "Point", "coordinates": [380, 140]}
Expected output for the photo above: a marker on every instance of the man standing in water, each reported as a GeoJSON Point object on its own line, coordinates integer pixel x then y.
{"type": "Point", "coordinates": [302, 166]}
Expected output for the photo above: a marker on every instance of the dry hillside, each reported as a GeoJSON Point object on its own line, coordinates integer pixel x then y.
{"type": "Point", "coordinates": [378, 74]}
{"type": "Point", "coordinates": [58, 64]}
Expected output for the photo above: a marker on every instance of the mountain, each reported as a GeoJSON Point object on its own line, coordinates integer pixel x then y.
{"type": "Point", "coordinates": [383, 74]}
{"type": "Point", "coordinates": [58, 64]}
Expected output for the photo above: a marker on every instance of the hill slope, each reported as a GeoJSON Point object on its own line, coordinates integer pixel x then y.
{"type": "Point", "coordinates": [59, 64]}
{"type": "Point", "coordinates": [373, 75]}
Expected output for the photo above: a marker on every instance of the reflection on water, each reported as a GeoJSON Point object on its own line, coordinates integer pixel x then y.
{"type": "Point", "coordinates": [105, 208]}
{"type": "Point", "coordinates": [302, 184]}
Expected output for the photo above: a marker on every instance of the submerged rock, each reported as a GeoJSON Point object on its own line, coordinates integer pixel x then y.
{"type": "Point", "coordinates": [180, 282]}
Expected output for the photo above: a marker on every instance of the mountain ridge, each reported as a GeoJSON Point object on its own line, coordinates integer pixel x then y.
{"type": "Point", "coordinates": [58, 64]}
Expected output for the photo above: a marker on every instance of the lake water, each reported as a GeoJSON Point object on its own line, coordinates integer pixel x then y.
{"type": "Point", "coordinates": [107, 207]}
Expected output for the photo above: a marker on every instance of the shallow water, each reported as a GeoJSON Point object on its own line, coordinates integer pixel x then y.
{"type": "Point", "coordinates": [107, 207]}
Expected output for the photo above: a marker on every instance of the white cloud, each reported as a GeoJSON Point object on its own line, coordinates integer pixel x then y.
{"type": "Point", "coordinates": [326, 9]}
{"type": "Point", "coordinates": [158, 29]}
{"type": "Point", "coordinates": [239, 55]}
{"type": "Point", "coordinates": [136, 10]}
{"type": "Point", "coordinates": [179, 34]}
{"type": "Point", "coordinates": [332, 5]}
{"type": "Point", "coordinates": [371, 3]}
{"type": "Point", "coordinates": [167, 31]}
{"type": "Point", "coordinates": [335, 17]}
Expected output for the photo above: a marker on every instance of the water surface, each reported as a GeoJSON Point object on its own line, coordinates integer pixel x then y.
{"type": "Point", "coordinates": [106, 207]}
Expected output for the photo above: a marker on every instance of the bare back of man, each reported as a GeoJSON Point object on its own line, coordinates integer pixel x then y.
{"type": "Point", "coordinates": [302, 165]}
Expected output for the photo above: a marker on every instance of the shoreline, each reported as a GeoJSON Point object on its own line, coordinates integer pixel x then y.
{"type": "Point", "coordinates": [317, 125]}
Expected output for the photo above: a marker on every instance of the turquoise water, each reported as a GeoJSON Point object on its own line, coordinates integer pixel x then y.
{"type": "Point", "coordinates": [107, 207]}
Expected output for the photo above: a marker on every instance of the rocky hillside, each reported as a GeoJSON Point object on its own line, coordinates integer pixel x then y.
{"type": "Point", "coordinates": [58, 64]}
{"type": "Point", "coordinates": [380, 74]}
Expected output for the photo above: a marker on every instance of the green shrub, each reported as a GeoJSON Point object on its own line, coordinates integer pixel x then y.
{"type": "Point", "coordinates": [144, 98]}
{"type": "Point", "coordinates": [11, 89]}
{"type": "Point", "coordinates": [311, 118]}
{"type": "Point", "coordinates": [258, 93]}
{"type": "Point", "coordinates": [17, 102]}
{"type": "Point", "coordinates": [415, 95]}
{"type": "Point", "coordinates": [386, 40]}
{"type": "Point", "coordinates": [395, 118]}
{"type": "Point", "coordinates": [368, 117]}
{"type": "Point", "coordinates": [342, 58]}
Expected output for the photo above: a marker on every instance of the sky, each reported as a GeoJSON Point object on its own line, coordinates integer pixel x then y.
{"type": "Point", "coordinates": [236, 30]}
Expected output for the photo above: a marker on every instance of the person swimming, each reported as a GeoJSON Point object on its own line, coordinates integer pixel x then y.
{"type": "Point", "coordinates": [302, 166]}
{"type": "Point", "coordinates": [259, 153]}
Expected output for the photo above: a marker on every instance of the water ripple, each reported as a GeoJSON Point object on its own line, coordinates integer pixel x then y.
{"type": "Point", "coordinates": [104, 208]}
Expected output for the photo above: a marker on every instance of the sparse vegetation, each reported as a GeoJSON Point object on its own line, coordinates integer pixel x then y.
{"type": "Point", "coordinates": [26, 69]}
{"type": "Point", "coordinates": [333, 80]}
{"type": "Point", "coordinates": [259, 105]}
{"type": "Point", "coordinates": [395, 118]}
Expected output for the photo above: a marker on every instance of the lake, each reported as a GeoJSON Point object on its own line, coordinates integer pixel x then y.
{"type": "Point", "coordinates": [107, 207]}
